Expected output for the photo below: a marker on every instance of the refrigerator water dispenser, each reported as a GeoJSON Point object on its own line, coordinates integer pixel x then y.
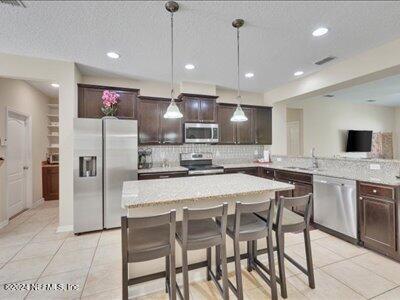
{"type": "Point", "coordinates": [87, 166]}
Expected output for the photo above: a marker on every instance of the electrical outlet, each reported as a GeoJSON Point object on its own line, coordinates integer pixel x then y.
{"type": "Point", "coordinates": [3, 142]}
{"type": "Point", "coordinates": [375, 166]}
{"type": "Point", "coordinates": [279, 159]}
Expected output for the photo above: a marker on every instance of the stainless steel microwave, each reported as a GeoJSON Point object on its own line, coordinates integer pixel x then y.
{"type": "Point", "coordinates": [201, 133]}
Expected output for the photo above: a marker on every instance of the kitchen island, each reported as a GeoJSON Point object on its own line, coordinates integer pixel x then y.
{"type": "Point", "coordinates": [150, 197]}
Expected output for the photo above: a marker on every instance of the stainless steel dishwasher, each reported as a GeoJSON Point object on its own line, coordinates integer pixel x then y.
{"type": "Point", "coordinates": [335, 204]}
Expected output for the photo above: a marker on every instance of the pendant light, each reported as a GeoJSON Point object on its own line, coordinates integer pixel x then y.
{"type": "Point", "coordinates": [172, 110]}
{"type": "Point", "coordinates": [238, 115]}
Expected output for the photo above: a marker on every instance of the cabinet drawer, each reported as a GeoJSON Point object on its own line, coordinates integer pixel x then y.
{"type": "Point", "coordinates": [163, 175]}
{"type": "Point", "coordinates": [249, 171]}
{"type": "Point", "coordinates": [292, 176]}
{"type": "Point", "coordinates": [377, 191]}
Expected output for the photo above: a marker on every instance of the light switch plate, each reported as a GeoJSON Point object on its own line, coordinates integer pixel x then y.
{"type": "Point", "coordinates": [375, 166]}
{"type": "Point", "coordinates": [3, 142]}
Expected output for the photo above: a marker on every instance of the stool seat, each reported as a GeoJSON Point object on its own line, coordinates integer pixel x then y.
{"type": "Point", "coordinates": [150, 239]}
{"type": "Point", "coordinates": [199, 230]}
{"type": "Point", "coordinates": [288, 218]}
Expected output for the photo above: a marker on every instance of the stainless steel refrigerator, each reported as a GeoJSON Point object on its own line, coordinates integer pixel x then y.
{"type": "Point", "coordinates": [105, 155]}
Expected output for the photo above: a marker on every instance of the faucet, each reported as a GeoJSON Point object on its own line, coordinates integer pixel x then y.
{"type": "Point", "coordinates": [314, 159]}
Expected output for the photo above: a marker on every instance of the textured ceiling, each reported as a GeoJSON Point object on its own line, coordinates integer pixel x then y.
{"type": "Point", "coordinates": [276, 39]}
{"type": "Point", "coordinates": [385, 92]}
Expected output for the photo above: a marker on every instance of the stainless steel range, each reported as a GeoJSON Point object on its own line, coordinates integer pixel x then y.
{"type": "Point", "coordinates": [200, 164]}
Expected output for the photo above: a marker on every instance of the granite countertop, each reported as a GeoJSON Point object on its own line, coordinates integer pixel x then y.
{"type": "Point", "coordinates": [162, 169]}
{"type": "Point", "coordinates": [371, 176]}
{"type": "Point", "coordinates": [173, 190]}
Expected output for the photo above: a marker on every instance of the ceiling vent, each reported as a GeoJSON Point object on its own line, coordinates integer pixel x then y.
{"type": "Point", "coordinates": [13, 3]}
{"type": "Point", "coordinates": [324, 60]}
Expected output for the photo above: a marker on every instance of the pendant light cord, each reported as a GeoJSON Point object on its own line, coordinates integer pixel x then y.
{"type": "Point", "coordinates": [172, 56]}
{"type": "Point", "coordinates": [238, 65]}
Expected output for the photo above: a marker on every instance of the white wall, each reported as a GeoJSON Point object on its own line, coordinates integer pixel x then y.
{"type": "Point", "coordinates": [20, 96]}
{"type": "Point", "coordinates": [326, 123]}
{"type": "Point", "coordinates": [66, 74]}
{"type": "Point", "coordinates": [229, 96]}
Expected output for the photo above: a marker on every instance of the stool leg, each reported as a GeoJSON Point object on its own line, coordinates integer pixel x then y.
{"type": "Point", "coordinates": [271, 263]}
{"type": "Point", "coordinates": [172, 278]}
{"type": "Point", "coordinates": [185, 273]}
{"type": "Point", "coordinates": [218, 262]}
{"type": "Point", "coordinates": [249, 255]}
{"type": "Point", "coordinates": [310, 267]}
{"type": "Point", "coordinates": [167, 273]}
{"type": "Point", "coordinates": [280, 240]}
{"type": "Point", "coordinates": [208, 263]}
{"type": "Point", "coordinates": [125, 281]}
{"type": "Point", "coordinates": [225, 284]}
{"type": "Point", "coordinates": [238, 270]}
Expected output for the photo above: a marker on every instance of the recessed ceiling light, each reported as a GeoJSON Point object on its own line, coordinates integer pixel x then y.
{"type": "Point", "coordinates": [249, 75]}
{"type": "Point", "coordinates": [189, 67]}
{"type": "Point", "coordinates": [56, 85]}
{"type": "Point", "coordinates": [113, 55]}
{"type": "Point", "coordinates": [320, 31]}
{"type": "Point", "coordinates": [371, 100]}
{"type": "Point", "coordinates": [298, 73]}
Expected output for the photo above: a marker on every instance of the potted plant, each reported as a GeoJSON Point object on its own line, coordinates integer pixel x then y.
{"type": "Point", "coordinates": [110, 103]}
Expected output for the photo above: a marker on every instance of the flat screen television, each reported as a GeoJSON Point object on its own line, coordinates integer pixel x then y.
{"type": "Point", "coordinates": [359, 141]}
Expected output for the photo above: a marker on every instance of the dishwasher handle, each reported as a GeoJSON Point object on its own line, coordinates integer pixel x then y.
{"type": "Point", "coordinates": [330, 183]}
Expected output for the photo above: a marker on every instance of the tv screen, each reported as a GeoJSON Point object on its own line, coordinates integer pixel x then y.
{"type": "Point", "coordinates": [359, 141]}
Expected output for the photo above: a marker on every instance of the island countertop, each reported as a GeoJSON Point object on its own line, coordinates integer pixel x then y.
{"type": "Point", "coordinates": [172, 190]}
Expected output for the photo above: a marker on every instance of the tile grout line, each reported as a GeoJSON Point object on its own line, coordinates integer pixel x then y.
{"type": "Point", "coordinates": [384, 292]}
{"type": "Point", "coordinates": [90, 267]}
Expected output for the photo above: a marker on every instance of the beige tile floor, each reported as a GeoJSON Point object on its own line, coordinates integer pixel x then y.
{"type": "Point", "coordinates": [31, 251]}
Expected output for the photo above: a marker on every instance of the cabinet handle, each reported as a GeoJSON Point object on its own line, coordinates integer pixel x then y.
{"type": "Point", "coordinates": [163, 176]}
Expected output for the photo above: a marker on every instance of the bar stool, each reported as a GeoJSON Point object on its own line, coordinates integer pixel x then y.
{"type": "Point", "coordinates": [288, 221]}
{"type": "Point", "coordinates": [149, 238]}
{"type": "Point", "coordinates": [245, 225]}
{"type": "Point", "coordinates": [198, 230]}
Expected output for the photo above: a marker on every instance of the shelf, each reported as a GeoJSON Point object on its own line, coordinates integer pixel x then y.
{"type": "Point", "coordinates": [55, 146]}
{"type": "Point", "coordinates": [52, 116]}
{"type": "Point", "coordinates": [50, 135]}
{"type": "Point", "coordinates": [51, 105]}
{"type": "Point", "coordinates": [52, 126]}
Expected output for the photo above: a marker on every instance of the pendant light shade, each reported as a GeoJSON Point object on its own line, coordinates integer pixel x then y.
{"type": "Point", "coordinates": [238, 115]}
{"type": "Point", "coordinates": [173, 111]}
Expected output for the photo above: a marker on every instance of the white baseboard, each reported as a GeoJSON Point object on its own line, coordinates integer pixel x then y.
{"type": "Point", "coordinates": [65, 228]}
{"type": "Point", "coordinates": [3, 223]}
{"type": "Point", "coordinates": [38, 202]}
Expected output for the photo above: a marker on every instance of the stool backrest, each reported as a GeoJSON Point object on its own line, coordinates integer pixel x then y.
{"type": "Point", "coordinates": [128, 226]}
{"type": "Point", "coordinates": [293, 202]}
{"type": "Point", "coordinates": [264, 209]}
{"type": "Point", "coordinates": [220, 211]}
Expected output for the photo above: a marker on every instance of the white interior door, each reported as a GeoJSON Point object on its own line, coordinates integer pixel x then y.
{"type": "Point", "coordinates": [17, 157]}
{"type": "Point", "coordinates": [293, 138]}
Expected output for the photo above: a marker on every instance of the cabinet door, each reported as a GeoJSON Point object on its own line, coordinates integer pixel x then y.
{"type": "Point", "coordinates": [245, 129]}
{"type": "Point", "coordinates": [90, 102]}
{"type": "Point", "coordinates": [301, 189]}
{"type": "Point", "coordinates": [50, 183]}
{"type": "Point", "coordinates": [227, 129]}
{"type": "Point", "coordinates": [288, 193]}
{"type": "Point", "coordinates": [171, 129]}
{"type": "Point", "coordinates": [263, 125]}
{"type": "Point", "coordinates": [149, 122]}
{"type": "Point", "coordinates": [377, 222]}
{"type": "Point", "coordinates": [192, 108]}
{"type": "Point", "coordinates": [207, 111]}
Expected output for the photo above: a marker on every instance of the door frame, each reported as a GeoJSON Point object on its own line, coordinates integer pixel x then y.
{"type": "Point", "coordinates": [29, 187]}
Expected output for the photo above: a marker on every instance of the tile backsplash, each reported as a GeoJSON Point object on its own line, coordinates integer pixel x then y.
{"type": "Point", "coordinates": [226, 153]}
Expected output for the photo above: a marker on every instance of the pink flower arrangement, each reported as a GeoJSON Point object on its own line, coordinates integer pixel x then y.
{"type": "Point", "coordinates": [110, 101]}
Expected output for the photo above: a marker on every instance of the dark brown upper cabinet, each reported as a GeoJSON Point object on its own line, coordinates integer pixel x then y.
{"type": "Point", "coordinates": [262, 125]}
{"type": "Point", "coordinates": [256, 130]}
{"type": "Point", "coordinates": [153, 128]}
{"type": "Point", "coordinates": [90, 102]}
{"type": "Point", "coordinates": [199, 108]}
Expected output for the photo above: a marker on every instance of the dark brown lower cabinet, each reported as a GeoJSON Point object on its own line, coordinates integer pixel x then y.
{"type": "Point", "coordinates": [50, 182]}
{"type": "Point", "coordinates": [248, 171]}
{"type": "Point", "coordinates": [162, 175]}
{"type": "Point", "coordinates": [378, 219]}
